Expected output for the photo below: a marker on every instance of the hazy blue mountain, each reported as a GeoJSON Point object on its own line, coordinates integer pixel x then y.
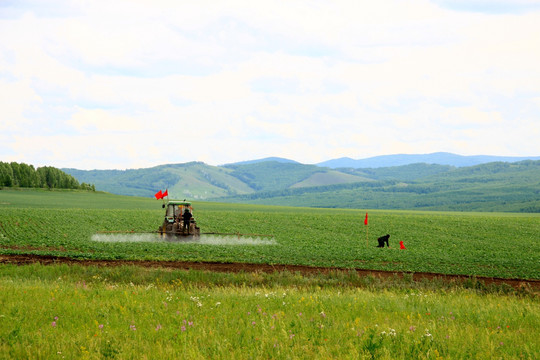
{"type": "Point", "coordinates": [440, 158]}
{"type": "Point", "coordinates": [277, 159]}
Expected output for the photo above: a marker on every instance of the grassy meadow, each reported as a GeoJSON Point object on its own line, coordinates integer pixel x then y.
{"type": "Point", "coordinates": [76, 312]}
{"type": "Point", "coordinates": [65, 223]}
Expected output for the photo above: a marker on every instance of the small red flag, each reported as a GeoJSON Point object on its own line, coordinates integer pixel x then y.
{"type": "Point", "coordinates": [159, 195]}
{"type": "Point", "coordinates": [166, 193]}
{"type": "Point", "coordinates": [365, 220]}
{"type": "Point", "coordinates": [401, 245]}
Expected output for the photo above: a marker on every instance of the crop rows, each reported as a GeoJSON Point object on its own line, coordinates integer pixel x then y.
{"type": "Point", "coordinates": [499, 245]}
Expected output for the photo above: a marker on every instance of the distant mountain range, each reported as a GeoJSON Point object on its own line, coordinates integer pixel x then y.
{"type": "Point", "coordinates": [439, 181]}
{"type": "Point", "coordinates": [441, 158]}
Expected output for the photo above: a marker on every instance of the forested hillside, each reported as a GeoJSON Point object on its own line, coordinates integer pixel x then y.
{"type": "Point", "coordinates": [23, 175]}
{"type": "Point", "coordinates": [194, 180]}
{"type": "Point", "coordinates": [197, 180]}
{"type": "Point", "coordinates": [498, 186]}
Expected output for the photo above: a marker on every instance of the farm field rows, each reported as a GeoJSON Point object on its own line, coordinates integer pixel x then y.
{"type": "Point", "coordinates": [61, 311]}
{"type": "Point", "coordinates": [66, 223]}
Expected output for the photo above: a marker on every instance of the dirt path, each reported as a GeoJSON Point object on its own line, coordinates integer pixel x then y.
{"type": "Point", "coordinates": [238, 267]}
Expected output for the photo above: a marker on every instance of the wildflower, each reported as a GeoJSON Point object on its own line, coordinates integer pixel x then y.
{"type": "Point", "coordinates": [132, 327]}
{"type": "Point", "coordinates": [323, 314]}
{"type": "Point", "coordinates": [158, 327]}
{"type": "Point", "coordinates": [253, 323]}
{"type": "Point", "coordinates": [183, 328]}
{"type": "Point", "coordinates": [412, 328]}
{"type": "Point", "coordinates": [291, 336]}
{"type": "Point", "coordinates": [218, 303]}
{"type": "Point", "coordinates": [53, 324]}
{"type": "Point", "coordinates": [100, 326]}
{"type": "Point", "coordinates": [190, 323]}
{"type": "Point", "coordinates": [427, 334]}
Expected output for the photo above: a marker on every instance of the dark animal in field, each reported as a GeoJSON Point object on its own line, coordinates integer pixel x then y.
{"type": "Point", "coordinates": [382, 240]}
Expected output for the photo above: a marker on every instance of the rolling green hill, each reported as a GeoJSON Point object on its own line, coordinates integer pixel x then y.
{"type": "Point", "coordinates": [196, 180]}
{"type": "Point", "coordinates": [497, 186]}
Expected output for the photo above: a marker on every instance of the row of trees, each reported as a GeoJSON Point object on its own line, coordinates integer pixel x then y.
{"type": "Point", "coordinates": [22, 175]}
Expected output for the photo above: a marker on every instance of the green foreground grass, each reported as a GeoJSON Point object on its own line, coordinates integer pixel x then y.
{"type": "Point", "coordinates": [60, 311]}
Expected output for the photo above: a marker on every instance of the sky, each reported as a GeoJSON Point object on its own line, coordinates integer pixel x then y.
{"type": "Point", "coordinates": [134, 84]}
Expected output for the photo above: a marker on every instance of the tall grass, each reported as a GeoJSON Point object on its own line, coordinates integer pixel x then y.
{"type": "Point", "coordinates": [68, 312]}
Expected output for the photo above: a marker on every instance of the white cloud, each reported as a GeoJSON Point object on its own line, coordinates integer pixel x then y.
{"type": "Point", "coordinates": [111, 85]}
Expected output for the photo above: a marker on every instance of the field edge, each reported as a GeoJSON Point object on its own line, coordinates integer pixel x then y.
{"type": "Point", "coordinates": [476, 281]}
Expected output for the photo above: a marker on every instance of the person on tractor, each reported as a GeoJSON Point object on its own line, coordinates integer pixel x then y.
{"type": "Point", "coordinates": [187, 220]}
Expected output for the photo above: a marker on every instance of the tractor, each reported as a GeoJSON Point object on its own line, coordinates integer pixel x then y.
{"type": "Point", "coordinates": [179, 220]}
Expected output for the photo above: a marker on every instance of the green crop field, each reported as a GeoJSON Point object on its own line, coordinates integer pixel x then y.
{"type": "Point", "coordinates": [65, 223]}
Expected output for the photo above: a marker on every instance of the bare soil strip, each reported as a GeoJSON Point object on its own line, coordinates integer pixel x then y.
{"type": "Point", "coordinates": [24, 259]}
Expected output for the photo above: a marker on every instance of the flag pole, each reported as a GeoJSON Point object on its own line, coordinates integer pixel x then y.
{"type": "Point", "coordinates": [367, 228]}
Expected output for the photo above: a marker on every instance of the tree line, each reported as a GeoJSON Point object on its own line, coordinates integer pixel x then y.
{"type": "Point", "coordinates": [23, 175]}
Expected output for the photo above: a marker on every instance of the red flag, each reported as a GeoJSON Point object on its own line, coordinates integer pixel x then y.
{"type": "Point", "coordinates": [365, 220]}
{"type": "Point", "coordinates": [166, 193]}
{"type": "Point", "coordinates": [159, 195]}
{"type": "Point", "coordinates": [401, 245]}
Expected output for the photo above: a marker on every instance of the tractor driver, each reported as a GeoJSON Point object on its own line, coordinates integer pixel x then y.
{"type": "Point", "coordinates": [187, 220]}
